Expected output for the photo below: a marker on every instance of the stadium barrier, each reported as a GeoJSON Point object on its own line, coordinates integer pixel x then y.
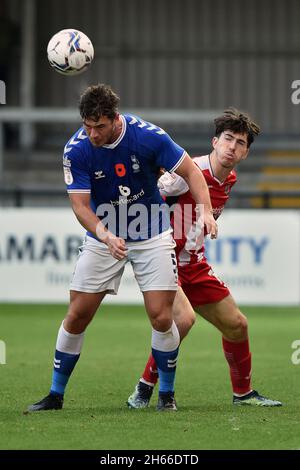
{"type": "Point", "coordinates": [257, 254]}
{"type": "Point", "coordinates": [240, 198]}
{"type": "Point", "coordinates": [28, 116]}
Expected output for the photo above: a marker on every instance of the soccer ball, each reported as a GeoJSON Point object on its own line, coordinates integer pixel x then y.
{"type": "Point", "coordinates": [70, 52]}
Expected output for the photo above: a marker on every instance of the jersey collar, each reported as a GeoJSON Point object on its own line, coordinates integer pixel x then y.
{"type": "Point", "coordinates": [116, 142]}
{"type": "Point", "coordinates": [212, 173]}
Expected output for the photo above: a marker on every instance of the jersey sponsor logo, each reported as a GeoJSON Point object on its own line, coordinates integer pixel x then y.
{"type": "Point", "coordinates": [68, 175]}
{"type": "Point", "coordinates": [99, 174]}
{"type": "Point", "coordinates": [125, 199]}
{"type": "Point", "coordinates": [124, 191]}
{"type": "Point", "coordinates": [120, 169]}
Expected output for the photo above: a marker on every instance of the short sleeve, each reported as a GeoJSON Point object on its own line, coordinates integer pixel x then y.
{"type": "Point", "coordinates": [76, 171]}
{"type": "Point", "coordinates": [169, 155]}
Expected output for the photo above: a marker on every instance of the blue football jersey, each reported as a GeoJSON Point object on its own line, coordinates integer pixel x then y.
{"type": "Point", "coordinates": [122, 177]}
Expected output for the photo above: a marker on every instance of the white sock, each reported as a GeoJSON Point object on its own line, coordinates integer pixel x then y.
{"type": "Point", "coordinates": [166, 341]}
{"type": "Point", "coordinates": [69, 342]}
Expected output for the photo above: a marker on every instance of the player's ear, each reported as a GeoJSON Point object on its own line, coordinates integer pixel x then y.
{"type": "Point", "coordinates": [246, 154]}
{"type": "Point", "coordinates": [214, 141]}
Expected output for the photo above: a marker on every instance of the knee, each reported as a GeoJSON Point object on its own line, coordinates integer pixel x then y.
{"type": "Point", "coordinates": [183, 314]}
{"type": "Point", "coordinates": [77, 320]}
{"type": "Point", "coordinates": [239, 328]}
{"type": "Point", "coordinates": [160, 320]}
{"type": "Point", "coordinates": [186, 322]}
{"type": "Point", "coordinates": [162, 323]}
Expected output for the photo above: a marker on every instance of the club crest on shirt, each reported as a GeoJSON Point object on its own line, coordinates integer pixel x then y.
{"type": "Point", "coordinates": [135, 164]}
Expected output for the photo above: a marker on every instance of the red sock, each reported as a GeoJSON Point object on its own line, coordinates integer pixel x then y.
{"type": "Point", "coordinates": [150, 374]}
{"type": "Point", "coordinates": [238, 357]}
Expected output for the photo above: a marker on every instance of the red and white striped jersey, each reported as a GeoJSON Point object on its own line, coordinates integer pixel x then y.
{"type": "Point", "coordinates": [189, 239]}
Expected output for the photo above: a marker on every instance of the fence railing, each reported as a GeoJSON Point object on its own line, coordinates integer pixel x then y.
{"type": "Point", "coordinates": [243, 198]}
{"type": "Point", "coordinates": [29, 116]}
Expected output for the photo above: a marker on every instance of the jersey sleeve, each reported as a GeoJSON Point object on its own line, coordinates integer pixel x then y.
{"type": "Point", "coordinates": [169, 155]}
{"type": "Point", "coordinates": [76, 172]}
{"type": "Point", "coordinates": [172, 185]}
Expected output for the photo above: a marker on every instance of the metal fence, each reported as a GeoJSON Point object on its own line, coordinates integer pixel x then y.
{"type": "Point", "coordinates": [239, 198]}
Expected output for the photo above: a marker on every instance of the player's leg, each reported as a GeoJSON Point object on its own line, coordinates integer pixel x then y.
{"type": "Point", "coordinates": [226, 316]}
{"type": "Point", "coordinates": [165, 342]}
{"type": "Point", "coordinates": [183, 313]}
{"type": "Point", "coordinates": [82, 309]}
{"type": "Point", "coordinates": [96, 273]}
{"type": "Point", "coordinates": [184, 317]}
{"type": "Point", "coordinates": [211, 298]}
{"type": "Point", "coordinates": [154, 265]}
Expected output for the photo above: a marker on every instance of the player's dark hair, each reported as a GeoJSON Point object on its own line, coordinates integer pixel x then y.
{"type": "Point", "coordinates": [97, 101]}
{"type": "Point", "coordinates": [236, 121]}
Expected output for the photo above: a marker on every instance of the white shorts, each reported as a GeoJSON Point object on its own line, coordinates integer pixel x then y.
{"type": "Point", "coordinates": [153, 262]}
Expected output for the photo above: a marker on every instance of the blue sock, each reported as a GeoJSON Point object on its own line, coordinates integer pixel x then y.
{"type": "Point", "coordinates": [64, 364]}
{"type": "Point", "coordinates": [166, 366]}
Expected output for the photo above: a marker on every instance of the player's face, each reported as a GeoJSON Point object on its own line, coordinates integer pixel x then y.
{"type": "Point", "coordinates": [230, 148]}
{"type": "Point", "coordinates": [100, 132]}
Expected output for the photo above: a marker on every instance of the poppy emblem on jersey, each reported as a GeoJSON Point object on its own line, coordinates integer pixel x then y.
{"type": "Point", "coordinates": [120, 169]}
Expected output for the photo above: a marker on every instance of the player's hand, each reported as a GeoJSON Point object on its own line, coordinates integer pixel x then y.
{"type": "Point", "coordinates": [116, 247]}
{"type": "Point", "coordinates": [211, 224]}
{"type": "Point", "coordinates": [115, 244]}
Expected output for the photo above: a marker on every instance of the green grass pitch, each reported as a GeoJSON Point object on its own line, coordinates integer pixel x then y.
{"type": "Point", "coordinates": [116, 346]}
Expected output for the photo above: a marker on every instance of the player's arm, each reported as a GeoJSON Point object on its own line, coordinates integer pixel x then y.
{"type": "Point", "coordinates": [199, 190]}
{"type": "Point", "coordinates": [170, 184]}
{"type": "Point", "coordinates": [88, 219]}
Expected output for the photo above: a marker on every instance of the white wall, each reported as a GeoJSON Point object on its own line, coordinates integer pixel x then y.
{"type": "Point", "coordinates": [257, 254]}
